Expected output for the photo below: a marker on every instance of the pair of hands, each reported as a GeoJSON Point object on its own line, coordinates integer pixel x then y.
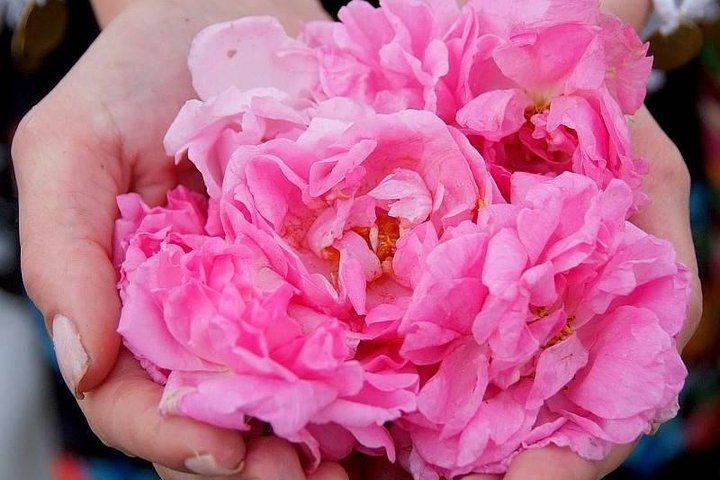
{"type": "Point", "coordinates": [99, 134]}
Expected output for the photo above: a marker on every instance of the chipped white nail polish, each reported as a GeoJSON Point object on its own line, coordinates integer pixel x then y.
{"type": "Point", "coordinates": [207, 465]}
{"type": "Point", "coordinates": [72, 358]}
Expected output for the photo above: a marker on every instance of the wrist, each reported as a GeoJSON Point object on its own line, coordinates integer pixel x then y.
{"type": "Point", "coordinates": [292, 14]}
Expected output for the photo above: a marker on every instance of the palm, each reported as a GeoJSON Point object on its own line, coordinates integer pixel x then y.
{"type": "Point", "coordinates": [137, 76]}
{"type": "Point", "coordinates": [135, 79]}
{"type": "Point", "coordinates": [97, 135]}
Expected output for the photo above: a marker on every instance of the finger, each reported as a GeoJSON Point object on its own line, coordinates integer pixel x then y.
{"type": "Point", "coordinates": [71, 159]}
{"type": "Point", "coordinates": [67, 209]}
{"type": "Point", "coordinates": [168, 474]}
{"type": "Point", "coordinates": [534, 462]}
{"type": "Point", "coordinates": [667, 215]}
{"type": "Point", "coordinates": [123, 413]}
{"type": "Point", "coordinates": [552, 463]}
{"type": "Point", "coordinates": [561, 464]}
{"type": "Point", "coordinates": [635, 12]}
{"type": "Point", "coordinates": [555, 463]}
{"type": "Point", "coordinates": [617, 456]}
{"type": "Point", "coordinates": [270, 458]}
{"type": "Point", "coordinates": [329, 471]}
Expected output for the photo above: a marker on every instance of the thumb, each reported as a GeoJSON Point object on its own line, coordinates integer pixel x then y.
{"type": "Point", "coordinates": [67, 189]}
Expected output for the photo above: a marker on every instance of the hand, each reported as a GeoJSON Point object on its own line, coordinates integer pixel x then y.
{"type": "Point", "coordinates": [99, 134]}
{"type": "Point", "coordinates": [668, 217]}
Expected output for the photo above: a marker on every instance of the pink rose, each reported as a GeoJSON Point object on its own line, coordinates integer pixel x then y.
{"type": "Point", "coordinates": [392, 58]}
{"type": "Point", "coordinates": [549, 320]}
{"type": "Point", "coordinates": [335, 206]}
{"type": "Point", "coordinates": [535, 84]}
{"type": "Point", "coordinates": [231, 338]}
{"type": "Point", "coordinates": [416, 216]}
{"type": "Point", "coordinates": [555, 103]}
{"type": "Point", "coordinates": [287, 293]}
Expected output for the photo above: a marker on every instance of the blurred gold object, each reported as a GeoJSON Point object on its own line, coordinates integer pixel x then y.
{"type": "Point", "coordinates": [40, 30]}
{"type": "Point", "coordinates": [678, 48]}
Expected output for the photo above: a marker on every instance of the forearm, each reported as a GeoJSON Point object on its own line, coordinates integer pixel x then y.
{"type": "Point", "coordinates": [107, 10]}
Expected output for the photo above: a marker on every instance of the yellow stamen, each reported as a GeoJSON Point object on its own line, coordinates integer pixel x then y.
{"type": "Point", "coordinates": [566, 331]}
{"type": "Point", "coordinates": [388, 233]}
{"type": "Point", "coordinates": [332, 254]}
{"type": "Point", "coordinates": [478, 206]}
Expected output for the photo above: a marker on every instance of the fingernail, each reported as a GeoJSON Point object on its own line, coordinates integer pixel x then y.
{"type": "Point", "coordinates": [72, 358]}
{"type": "Point", "coordinates": [207, 465]}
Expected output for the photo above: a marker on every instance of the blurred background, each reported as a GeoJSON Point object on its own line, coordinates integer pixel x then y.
{"type": "Point", "coordinates": [42, 432]}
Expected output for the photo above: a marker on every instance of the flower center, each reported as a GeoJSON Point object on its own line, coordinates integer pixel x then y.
{"type": "Point", "coordinates": [539, 312]}
{"type": "Point", "coordinates": [382, 237]}
{"type": "Point", "coordinates": [540, 104]}
{"type": "Point", "coordinates": [478, 206]}
{"type": "Point", "coordinates": [332, 254]}
{"type": "Point", "coordinates": [388, 235]}
{"type": "Point", "coordinates": [566, 331]}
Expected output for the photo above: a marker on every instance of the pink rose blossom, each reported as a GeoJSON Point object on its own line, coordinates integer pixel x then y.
{"type": "Point", "coordinates": [552, 313]}
{"type": "Point", "coordinates": [337, 203]}
{"type": "Point", "coordinates": [558, 104]}
{"type": "Point", "coordinates": [240, 105]}
{"type": "Point", "coordinates": [287, 292]}
{"type": "Point", "coordinates": [392, 58]}
{"type": "Point", "coordinates": [535, 84]}
{"type": "Point", "coordinates": [231, 338]}
{"type": "Point", "coordinates": [274, 99]}
{"type": "Point", "coordinates": [414, 238]}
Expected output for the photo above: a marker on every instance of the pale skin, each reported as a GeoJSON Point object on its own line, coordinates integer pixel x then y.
{"type": "Point", "coordinates": [99, 134]}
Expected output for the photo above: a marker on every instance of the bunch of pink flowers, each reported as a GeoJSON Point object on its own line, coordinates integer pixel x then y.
{"type": "Point", "coordinates": [414, 240]}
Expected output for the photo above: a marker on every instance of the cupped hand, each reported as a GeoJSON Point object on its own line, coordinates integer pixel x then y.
{"type": "Point", "coordinates": [97, 135]}
{"type": "Point", "coordinates": [668, 217]}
